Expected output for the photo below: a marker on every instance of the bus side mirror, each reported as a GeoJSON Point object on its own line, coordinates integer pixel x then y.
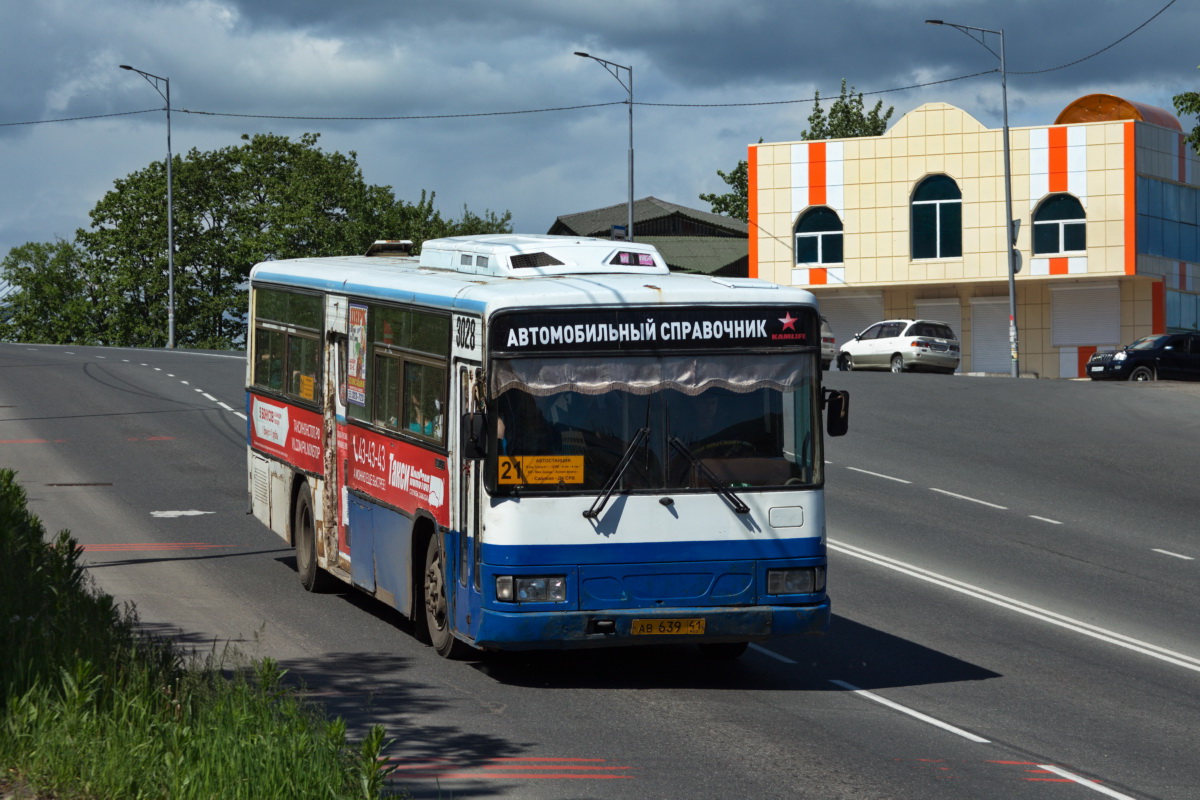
{"type": "Point", "coordinates": [473, 440]}
{"type": "Point", "coordinates": [837, 410]}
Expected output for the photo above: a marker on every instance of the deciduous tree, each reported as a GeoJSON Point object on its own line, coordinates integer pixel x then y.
{"type": "Point", "coordinates": [51, 299]}
{"type": "Point", "coordinates": [847, 118]}
{"type": "Point", "coordinates": [1188, 105]}
{"type": "Point", "coordinates": [270, 197]}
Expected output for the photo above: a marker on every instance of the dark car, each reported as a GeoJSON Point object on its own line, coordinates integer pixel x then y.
{"type": "Point", "coordinates": [1169, 356]}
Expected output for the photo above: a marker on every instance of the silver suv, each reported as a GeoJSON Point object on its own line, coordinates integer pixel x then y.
{"type": "Point", "coordinates": [901, 345]}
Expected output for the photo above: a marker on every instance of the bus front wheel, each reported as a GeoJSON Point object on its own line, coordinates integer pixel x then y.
{"type": "Point", "coordinates": [437, 609]}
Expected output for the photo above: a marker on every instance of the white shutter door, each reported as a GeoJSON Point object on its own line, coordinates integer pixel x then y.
{"type": "Point", "coordinates": [989, 335]}
{"type": "Point", "coordinates": [850, 315]}
{"type": "Point", "coordinates": [1085, 315]}
{"type": "Point", "coordinates": [942, 310]}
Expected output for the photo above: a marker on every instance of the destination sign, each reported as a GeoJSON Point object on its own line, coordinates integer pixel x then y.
{"type": "Point", "coordinates": [654, 329]}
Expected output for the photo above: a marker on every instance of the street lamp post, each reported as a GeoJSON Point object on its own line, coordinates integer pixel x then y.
{"type": "Point", "coordinates": [159, 85]}
{"type": "Point", "coordinates": [1010, 232]}
{"type": "Point", "coordinates": [613, 70]}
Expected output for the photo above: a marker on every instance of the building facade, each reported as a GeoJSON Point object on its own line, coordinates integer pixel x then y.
{"type": "Point", "coordinates": [1106, 203]}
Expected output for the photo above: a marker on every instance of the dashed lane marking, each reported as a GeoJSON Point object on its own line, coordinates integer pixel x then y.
{"type": "Point", "coordinates": [1173, 555]}
{"type": "Point", "coordinates": [910, 712]}
{"type": "Point", "coordinates": [1045, 615]}
{"type": "Point", "coordinates": [970, 499]}
{"type": "Point", "coordinates": [878, 475]}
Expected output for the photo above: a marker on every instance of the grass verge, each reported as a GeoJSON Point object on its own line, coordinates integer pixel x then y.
{"type": "Point", "coordinates": [91, 708]}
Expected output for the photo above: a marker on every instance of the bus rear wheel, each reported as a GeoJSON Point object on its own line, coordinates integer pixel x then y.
{"type": "Point", "coordinates": [304, 534]}
{"type": "Point", "coordinates": [437, 609]}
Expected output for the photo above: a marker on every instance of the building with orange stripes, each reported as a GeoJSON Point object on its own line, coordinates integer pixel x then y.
{"type": "Point", "coordinates": [911, 224]}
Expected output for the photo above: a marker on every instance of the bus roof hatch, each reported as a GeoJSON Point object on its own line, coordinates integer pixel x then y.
{"type": "Point", "coordinates": [521, 255]}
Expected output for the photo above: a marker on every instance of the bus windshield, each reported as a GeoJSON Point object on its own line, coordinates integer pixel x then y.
{"type": "Point", "coordinates": [563, 425]}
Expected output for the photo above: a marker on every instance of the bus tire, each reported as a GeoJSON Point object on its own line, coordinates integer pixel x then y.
{"type": "Point", "coordinates": [304, 534]}
{"type": "Point", "coordinates": [437, 609]}
{"type": "Point", "coordinates": [723, 651]}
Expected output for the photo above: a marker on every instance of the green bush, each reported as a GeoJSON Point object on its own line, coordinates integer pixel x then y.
{"type": "Point", "coordinates": [91, 708]}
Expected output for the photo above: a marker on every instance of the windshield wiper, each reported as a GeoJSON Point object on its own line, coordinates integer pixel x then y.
{"type": "Point", "coordinates": [718, 484]}
{"type": "Point", "coordinates": [622, 465]}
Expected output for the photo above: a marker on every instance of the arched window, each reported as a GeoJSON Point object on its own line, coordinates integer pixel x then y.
{"type": "Point", "coordinates": [1059, 226]}
{"type": "Point", "coordinates": [819, 237]}
{"type": "Point", "coordinates": [937, 218]}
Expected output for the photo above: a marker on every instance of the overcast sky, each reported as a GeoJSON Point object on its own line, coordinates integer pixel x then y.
{"type": "Point", "coordinates": [388, 58]}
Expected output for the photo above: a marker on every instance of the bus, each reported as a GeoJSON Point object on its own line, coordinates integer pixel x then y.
{"type": "Point", "coordinates": [539, 442]}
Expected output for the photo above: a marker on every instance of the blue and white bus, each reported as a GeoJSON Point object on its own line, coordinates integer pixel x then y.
{"type": "Point", "coordinates": [542, 442]}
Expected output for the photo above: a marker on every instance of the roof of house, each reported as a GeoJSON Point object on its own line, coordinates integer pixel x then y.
{"type": "Point", "coordinates": [689, 240]}
{"type": "Point", "coordinates": [598, 222]}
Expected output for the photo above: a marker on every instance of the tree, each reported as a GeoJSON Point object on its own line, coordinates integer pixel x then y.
{"type": "Point", "coordinates": [1188, 105]}
{"type": "Point", "coordinates": [268, 198]}
{"type": "Point", "coordinates": [847, 118]}
{"type": "Point", "coordinates": [736, 203]}
{"type": "Point", "coordinates": [51, 300]}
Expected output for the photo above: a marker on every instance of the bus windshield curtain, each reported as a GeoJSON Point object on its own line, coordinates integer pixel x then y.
{"type": "Point", "coordinates": [689, 374]}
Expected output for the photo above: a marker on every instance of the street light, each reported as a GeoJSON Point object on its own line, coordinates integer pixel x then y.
{"type": "Point", "coordinates": [612, 69]}
{"type": "Point", "coordinates": [158, 82]}
{"type": "Point", "coordinates": [1011, 232]}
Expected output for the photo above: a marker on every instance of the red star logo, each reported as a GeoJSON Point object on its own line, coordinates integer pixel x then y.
{"type": "Point", "coordinates": [789, 322]}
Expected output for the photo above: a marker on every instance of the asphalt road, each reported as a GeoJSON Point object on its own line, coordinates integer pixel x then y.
{"type": "Point", "coordinates": [1014, 568]}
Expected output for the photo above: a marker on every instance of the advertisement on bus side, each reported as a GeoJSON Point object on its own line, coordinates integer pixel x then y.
{"type": "Point", "coordinates": [399, 473]}
{"type": "Point", "coordinates": [289, 433]}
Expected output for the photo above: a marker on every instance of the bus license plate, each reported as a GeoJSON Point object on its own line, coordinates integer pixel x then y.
{"type": "Point", "coordinates": [660, 627]}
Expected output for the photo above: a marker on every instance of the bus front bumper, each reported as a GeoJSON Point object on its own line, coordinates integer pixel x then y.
{"type": "Point", "coordinates": [566, 630]}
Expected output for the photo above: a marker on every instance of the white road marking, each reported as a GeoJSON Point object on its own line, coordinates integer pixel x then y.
{"type": "Point", "coordinates": [240, 414]}
{"type": "Point", "coordinates": [878, 475]}
{"type": "Point", "coordinates": [173, 514]}
{"type": "Point", "coordinates": [1174, 555]}
{"type": "Point", "coordinates": [971, 499]}
{"type": "Point", "coordinates": [224, 406]}
{"type": "Point", "coordinates": [1071, 776]}
{"type": "Point", "coordinates": [912, 713]}
{"type": "Point", "coordinates": [208, 396]}
{"type": "Point", "coordinates": [759, 648]}
{"type": "Point", "coordinates": [1045, 519]}
{"type": "Point", "coordinates": [1045, 615]}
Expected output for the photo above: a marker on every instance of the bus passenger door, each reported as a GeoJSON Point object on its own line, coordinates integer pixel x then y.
{"type": "Point", "coordinates": [466, 556]}
{"type": "Point", "coordinates": [334, 404]}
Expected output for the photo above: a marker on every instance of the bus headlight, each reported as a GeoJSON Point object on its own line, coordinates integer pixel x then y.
{"type": "Point", "coordinates": [531, 588]}
{"type": "Point", "coordinates": [800, 580]}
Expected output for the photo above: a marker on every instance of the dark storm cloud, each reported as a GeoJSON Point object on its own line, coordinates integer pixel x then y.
{"type": "Point", "coordinates": [382, 58]}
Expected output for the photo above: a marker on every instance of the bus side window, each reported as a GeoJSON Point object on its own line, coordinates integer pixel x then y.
{"type": "Point", "coordinates": [424, 387]}
{"type": "Point", "coordinates": [387, 391]}
{"type": "Point", "coordinates": [304, 364]}
{"type": "Point", "coordinates": [268, 358]}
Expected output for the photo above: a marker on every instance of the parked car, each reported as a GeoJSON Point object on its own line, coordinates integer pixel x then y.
{"type": "Point", "coordinates": [1171, 356]}
{"type": "Point", "coordinates": [828, 348]}
{"type": "Point", "coordinates": [902, 345]}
